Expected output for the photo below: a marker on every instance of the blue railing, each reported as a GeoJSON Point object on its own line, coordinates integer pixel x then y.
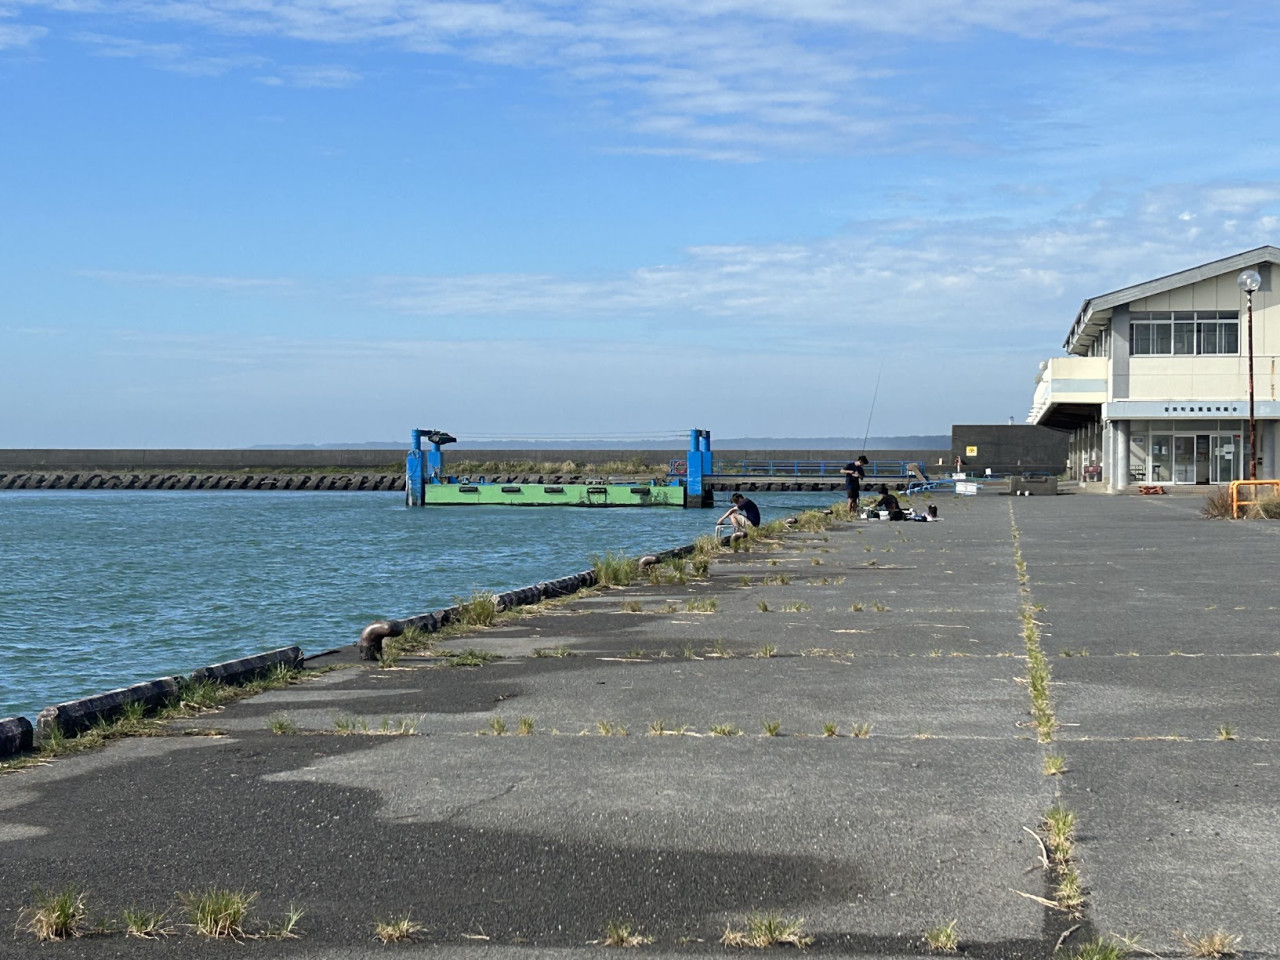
{"type": "Point", "coordinates": [801, 468]}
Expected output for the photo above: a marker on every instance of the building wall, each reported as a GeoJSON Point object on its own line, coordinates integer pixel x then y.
{"type": "Point", "coordinates": [1202, 377]}
{"type": "Point", "coordinates": [1013, 448]}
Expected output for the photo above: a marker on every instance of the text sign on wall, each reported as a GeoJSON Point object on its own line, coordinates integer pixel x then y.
{"type": "Point", "coordinates": [970, 451]}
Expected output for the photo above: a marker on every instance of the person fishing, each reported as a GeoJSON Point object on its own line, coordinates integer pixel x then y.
{"type": "Point", "coordinates": [743, 514]}
{"type": "Point", "coordinates": [854, 473]}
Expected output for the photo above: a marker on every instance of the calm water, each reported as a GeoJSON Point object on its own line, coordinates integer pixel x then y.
{"type": "Point", "coordinates": [99, 589]}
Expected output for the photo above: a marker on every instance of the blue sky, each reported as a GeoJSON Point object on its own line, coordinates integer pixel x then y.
{"type": "Point", "coordinates": [233, 222]}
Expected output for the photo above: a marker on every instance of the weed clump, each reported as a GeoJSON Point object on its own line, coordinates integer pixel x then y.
{"type": "Point", "coordinates": [1099, 950]}
{"type": "Point", "coordinates": [146, 924]}
{"type": "Point", "coordinates": [479, 611]}
{"type": "Point", "coordinates": [218, 913]}
{"type": "Point", "coordinates": [619, 934]}
{"type": "Point", "coordinates": [943, 938]}
{"type": "Point", "coordinates": [614, 569]}
{"type": "Point", "coordinates": [1219, 943]}
{"type": "Point", "coordinates": [396, 929]}
{"type": "Point", "coordinates": [55, 916]}
{"type": "Point", "coordinates": [767, 930]}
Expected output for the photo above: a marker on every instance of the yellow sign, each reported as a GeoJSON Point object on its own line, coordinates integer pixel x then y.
{"type": "Point", "coordinates": [970, 451]}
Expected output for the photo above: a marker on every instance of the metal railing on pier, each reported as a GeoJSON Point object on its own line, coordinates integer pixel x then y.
{"type": "Point", "coordinates": [876, 469]}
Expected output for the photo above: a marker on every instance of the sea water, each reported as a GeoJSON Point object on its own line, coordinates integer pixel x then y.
{"type": "Point", "coordinates": [100, 589]}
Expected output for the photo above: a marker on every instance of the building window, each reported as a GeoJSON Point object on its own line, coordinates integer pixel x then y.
{"type": "Point", "coordinates": [1184, 333]}
{"type": "Point", "coordinates": [1218, 338]}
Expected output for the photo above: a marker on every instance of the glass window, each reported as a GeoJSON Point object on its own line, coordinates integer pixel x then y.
{"type": "Point", "coordinates": [1140, 338]}
{"type": "Point", "coordinates": [1184, 337]}
{"type": "Point", "coordinates": [1162, 338]}
{"type": "Point", "coordinates": [1184, 332]}
{"type": "Point", "coordinates": [1218, 338]}
{"type": "Point", "coordinates": [1208, 337]}
{"type": "Point", "coordinates": [1152, 338]}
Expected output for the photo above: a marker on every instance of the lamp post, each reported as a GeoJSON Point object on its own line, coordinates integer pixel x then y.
{"type": "Point", "coordinates": [1249, 281]}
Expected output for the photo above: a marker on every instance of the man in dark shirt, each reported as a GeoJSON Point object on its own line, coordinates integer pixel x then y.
{"type": "Point", "coordinates": [890, 503]}
{"type": "Point", "coordinates": [853, 474]}
{"type": "Point", "coordinates": [743, 514]}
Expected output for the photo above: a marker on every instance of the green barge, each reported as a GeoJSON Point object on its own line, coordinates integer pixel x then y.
{"type": "Point", "coordinates": [428, 485]}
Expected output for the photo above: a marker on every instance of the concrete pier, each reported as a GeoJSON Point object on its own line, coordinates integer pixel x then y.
{"type": "Point", "coordinates": [632, 797]}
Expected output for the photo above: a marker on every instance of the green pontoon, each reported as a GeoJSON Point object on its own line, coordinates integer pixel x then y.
{"type": "Point", "coordinates": [427, 484]}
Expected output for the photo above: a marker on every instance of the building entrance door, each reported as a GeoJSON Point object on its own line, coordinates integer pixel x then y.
{"type": "Point", "coordinates": [1161, 458]}
{"type": "Point", "coordinates": [1225, 458]}
{"type": "Point", "coordinates": [1184, 458]}
{"type": "Point", "coordinates": [1191, 458]}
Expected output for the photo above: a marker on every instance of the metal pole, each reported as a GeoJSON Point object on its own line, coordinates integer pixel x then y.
{"type": "Point", "coordinates": [1253, 437]}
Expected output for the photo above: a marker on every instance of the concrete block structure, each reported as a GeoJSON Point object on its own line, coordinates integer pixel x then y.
{"type": "Point", "coordinates": [1155, 384]}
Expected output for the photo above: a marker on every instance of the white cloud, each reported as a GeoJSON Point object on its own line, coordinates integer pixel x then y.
{"type": "Point", "coordinates": [174, 57]}
{"type": "Point", "coordinates": [720, 79]}
{"type": "Point", "coordinates": [187, 281]}
{"type": "Point", "coordinates": [934, 286]}
{"type": "Point", "coordinates": [921, 286]}
{"type": "Point", "coordinates": [14, 35]}
{"type": "Point", "coordinates": [312, 76]}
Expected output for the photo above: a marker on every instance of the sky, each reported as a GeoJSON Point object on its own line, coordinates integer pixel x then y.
{"type": "Point", "coordinates": [236, 222]}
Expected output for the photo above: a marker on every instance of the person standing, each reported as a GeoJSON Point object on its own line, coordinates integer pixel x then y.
{"type": "Point", "coordinates": [854, 473]}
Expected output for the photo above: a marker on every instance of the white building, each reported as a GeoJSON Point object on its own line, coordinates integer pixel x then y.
{"type": "Point", "coordinates": [1155, 384]}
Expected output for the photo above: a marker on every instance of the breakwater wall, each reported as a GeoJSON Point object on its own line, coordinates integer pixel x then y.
{"type": "Point", "coordinates": [361, 470]}
{"type": "Point", "coordinates": [129, 480]}
{"type": "Point", "coordinates": [16, 460]}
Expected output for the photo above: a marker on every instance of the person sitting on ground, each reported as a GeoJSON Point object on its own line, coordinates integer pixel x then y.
{"type": "Point", "coordinates": [889, 502]}
{"type": "Point", "coordinates": [744, 514]}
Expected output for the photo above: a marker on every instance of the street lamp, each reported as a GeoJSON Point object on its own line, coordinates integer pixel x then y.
{"type": "Point", "coordinates": [1249, 281]}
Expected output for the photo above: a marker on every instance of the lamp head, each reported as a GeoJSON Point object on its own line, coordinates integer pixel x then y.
{"type": "Point", "coordinates": [1249, 281]}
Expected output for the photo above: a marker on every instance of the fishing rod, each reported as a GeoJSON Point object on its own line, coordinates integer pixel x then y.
{"type": "Point", "coordinates": [874, 393]}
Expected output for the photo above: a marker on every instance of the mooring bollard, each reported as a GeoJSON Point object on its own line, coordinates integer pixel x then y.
{"type": "Point", "coordinates": [371, 637]}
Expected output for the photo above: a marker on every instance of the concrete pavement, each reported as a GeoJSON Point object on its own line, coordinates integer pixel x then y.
{"type": "Point", "coordinates": [1156, 623]}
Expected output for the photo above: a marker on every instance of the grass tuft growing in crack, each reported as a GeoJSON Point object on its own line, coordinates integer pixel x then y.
{"type": "Point", "coordinates": [146, 924]}
{"type": "Point", "coordinates": [396, 929]}
{"type": "Point", "coordinates": [57, 915]}
{"type": "Point", "coordinates": [1038, 673]}
{"type": "Point", "coordinates": [1218, 943]}
{"type": "Point", "coordinates": [620, 934]}
{"type": "Point", "coordinates": [943, 938]}
{"type": "Point", "coordinates": [218, 913]}
{"type": "Point", "coordinates": [1055, 764]}
{"type": "Point", "coordinates": [767, 930]}
{"type": "Point", "coordinates": [1099, 950]}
